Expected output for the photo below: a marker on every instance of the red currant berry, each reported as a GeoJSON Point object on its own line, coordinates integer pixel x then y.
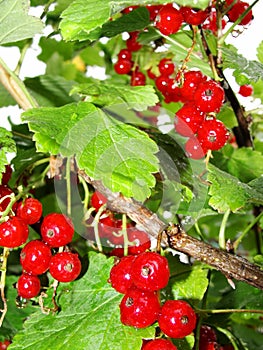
{"type": "Point", "coordinates": [137, 79]}
{"type": "Point", "coordinates": [173, 92]}
{"type": "Point", "coordinates": [191, 80]}
{"type": "Point", "coordinates": [166, 67]}
{"type": "Point", "coordinates": [129, 9]}
{"type": "Point", "coordinates": [132, 43]}
{"type": "Point", "coordinates": [162, 82]}
{"type": "Point", "coordinates": [177, 319]}
{"type": "Point", "coordinates": [153, 11]}
{"type": "Point", "coordinates": [6, 175]}
{"type": "Point", "coordinates": [139, 308]}
{"type": "Point", "coordinates": [13, 232]}
{"type": "Point", "coordinates": [237, 10]}
{"type": "Point", "coordinates": [209, 96]}
{"type": "Point", "coordinates": [150, 271]}
{"type": "Point", "coordinates": [28, 286]}
{"type": "Point", "coordinates": [194, 149]}
{"type": "Point", "coordinates": [159, 344]}
{"type": "Point", "coordinates": [193, 16]}
{"type": "Point", "coordinates": [189, 119]}
{"type": "Point", "coordinates": [207, 334]}
{"type": "Point", "coordinates": [65, 266]}
{"type": "Point", "coordinates": [35, 257]}
{"type": "Point", "coordinates": [97, 200]}
{"type": "Point", "coordinates": [169, 20]}
{"type": "Point", "coordinates": [57, 230]}
{"type": "Point", "coordinates": [211, 22]}
{"type": "Point", "coordinates": [140, 242]}
{"type": "Point", "coordinates": [125, 54]}
{"type": "Point", "coordinates": [4, 344]}
{"type": "Point", "coordinates": [212, 134]}
{"type": "Point", "coordinates": [123, 66]}
{"type": "Point", "coordinates": [120, 274]}
{"type": "Point", "coordinates": [30, 210]}
{"type": "Point", "coordinates": [246, 90]}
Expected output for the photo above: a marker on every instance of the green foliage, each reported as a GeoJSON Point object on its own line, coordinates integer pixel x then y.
{"type": "Point", "coordinates": [7, 145]}
{"type": "Point", "coordinates": [16, 24]}
{"type": "Point", "coordinates": [89, 316]}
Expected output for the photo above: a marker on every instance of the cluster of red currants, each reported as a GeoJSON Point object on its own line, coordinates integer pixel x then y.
{"type": "Point", "coordinates": [37, 256]}
{"type": "Point", "coordinates": [208, 340]}
{"type": "Point", "coordinates": [140, 278]}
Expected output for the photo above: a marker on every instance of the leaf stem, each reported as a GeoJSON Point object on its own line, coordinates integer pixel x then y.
{"type": "Point", "coordinates": [248, 228]}
{"type": "Point", "coordinates": [125, 235]}
{"type": "Point", "coordinates": [228, 311]}
{"type": "Point", "coordinates": [222, 230]}
{"type": "Point", "coordinates": [96, 227]}
{"type": "Point", "coordinates": [68, 185]}
{"type": "Point", "coordinates": [2, 284]}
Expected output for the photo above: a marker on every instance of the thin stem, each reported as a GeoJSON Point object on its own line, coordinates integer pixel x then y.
{"type": "Point", "coordinates": [68, 184]}
{"type": "Point", "coordinates": [248, 228]}
{"type": "Point", "coordinates": [125, 235]}
{"type": "Point", "coordinates": [96, 227]}
{"type": "Point", "coordinates": [222, 230]}
{"type": "Point", "coordinates": [229, 336]}
{"type": "Point", "coordinates": [16, 87]}
{"type": "Point", "coordinates": [86, 195]}
{"type": "Point", "coordinates": [22, 56]}
{"type": "Point", "coordinates": [229, 311]}
{"type": "Point", "coordinates": [198, 231]}
{"type": "Point", "coordinates": [2, 284]}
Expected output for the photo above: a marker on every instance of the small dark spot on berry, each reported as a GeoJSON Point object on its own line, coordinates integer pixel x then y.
{"type": "Point", "coordinates": [50, 233]}
{"type": "Point", "coordinates": [129, 302]}
{"type": "Point", "coordinates": [184, 319]}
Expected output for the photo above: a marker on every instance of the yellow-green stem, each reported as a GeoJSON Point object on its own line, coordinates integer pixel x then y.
{"type": "Point", "coordinates": [2, 284]}
{"type": "Point", "coordinates": [221, 236]}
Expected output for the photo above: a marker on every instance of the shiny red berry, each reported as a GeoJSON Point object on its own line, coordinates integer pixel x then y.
{"type": "Point", "coordinates": [209, 96]}
{"type": "Point", "coordinates": [212, 134]}
{"type": "Point", "coordinates": [191, 80]}
{"type": "Point", "coordinates": [120, 274]}
{"type": "Point", "coordinates": [129, 9]}
{"type": "Point", "coordinates": [168, 20]}
{"type": "Point", "coordinates": [194, 149]}
{"type": "Point", "coordinates": [166, 67]}
{"type": "Point", "coordinates": [57, 230]}
{"type": "Point", "coordinates": [35, 257]}
{"type": "Point", "coordinates": [139, 308]}
{"type": "Point", "coordinates": [13, 232]}
{"type": "Point", "coordinates": [188, 120]}
{"type": "Point", "coordinates": [125, 54]}
{"type": "Point", "coordinates": [65, 266]}
{"type": "Point", "coordinates": [246, 90]}
{"type": "Point", "coordinates": [193, 16]}
{"type": "Point", "coordinates": [211, 22]}
{"type": "Point", "coordinates": [97, 200]}
{"type": "Point", "coordinates": [6, 175]}
{"type": "Point", "coordinates": [150, 271]}
{"type": "Point", "coordinates": [28, 286]}
{"type": "Point", "coordinates": [132, 42]}
{"type": "Point", "coordinates": [4, 344]}
{"type": "Point", "coordinates": [30, 210]}
{"type": "Point", "coordinates": [237, 10]}
{"type": "Point", "coordinates": [138, 79]}
{"type": "Point", "coordinates": [153, 11]}
{"type": "Point", "coordinates": [139, 240]}
{"type": "Point", "coordinates": [177, 319]}
{"type": "Point", "coordinates": [123, 66]}
{"type": "Point", "coordinates": [159, 344]}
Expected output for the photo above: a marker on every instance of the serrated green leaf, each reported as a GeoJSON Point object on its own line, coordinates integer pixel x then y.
{"type": "Point", "coordinates": [16, 24]}
{"type": "Point", "coordinates": [119, 155]}
{"type": "Point", "coordinates": [250, 70]}
{"type": "Point", "coordinates": [228, 192]}
{"type": "Point", "coordinates": [105, 94]}
{"type": "Point", "coordinates": [49, 46]}
{"type": "Point", "coordinates": [89, 317]}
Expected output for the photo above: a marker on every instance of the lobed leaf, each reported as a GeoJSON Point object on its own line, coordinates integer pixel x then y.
{"type": "Point", "coordinates": [119, 155]}
{"type": "Point", "coordinates": [89, 317]}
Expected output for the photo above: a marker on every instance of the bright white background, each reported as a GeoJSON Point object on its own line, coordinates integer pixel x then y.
{"type": "Point", "coordinates": [246, 43]}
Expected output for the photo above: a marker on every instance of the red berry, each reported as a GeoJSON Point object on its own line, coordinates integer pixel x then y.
{"type": "Point", "coordinates": [189, 119]}
{"type": "Point", "coordinates": [207, 334]}
{"type": "Point", "coordinates": [209, 96]}
{"type": "Point", "coordinates": [246, 90]}
{"type": "Point", "coordinates": [159, 344]}
{"type": "Point", "coordinates": [13, 232]}
{"type": "Point", "coordinates": [4, 344]}
{"type": "Point", "coordinates": [97, 200]}
{"type": "Point", "coordinates": [153, 11]}
{"type": "Point", "coordinates": [150, 271]}
{"type": "Point", "coordinates": [169, 20]}
{"type": "Point", "coordinates": [139, 308]}
{"type": "Point", "coordinates": [28, 286]}
{"type": "Point", "coordinates": [35, 257]}
{"type": "Point", "coordinates": [212, 134]}
{"type": "Point", "coordinates": [30, 210]}
{"type": "Point", "coordinates": [177, 319]}
{"type": "Point", "coordinates": [125, 54]}
{"type": "Point", "coordinates": [129, 9]}
{"type": "Point", "coordinates": [6, 176]}
{"type": "Point", "coordinates": [57, 230]}
{"type": "Point", "coordinates": [65, 266]}
{"type": "Point", "coordinates": [137, 79]}
{"type": "Point", "coordinates": [123, 66]}
{"type": "Point", "coordinates": [191, 80]}
{"type": "Point", "coordinates": [193, 16]}
{"type": "Point", "coordinates": [194, 149]}
{"type": "Point", "coordinates": [120, 274]}
{"type": "Point", "coordinates": [166, 67]}
{"type": "Point", "coordinates": [162, 82]}
{"type": "Point", "coordinates": [132, 43]}
{"type": "Point", "coordinates": [237, 10]}
{"type": "Point", "coordinates": [211, 22]}
{"type": "Point", "coordinates": [140, 241]}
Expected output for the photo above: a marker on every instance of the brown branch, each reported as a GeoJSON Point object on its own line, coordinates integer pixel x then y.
{"type": "Point", "coordinates": [232, 266]}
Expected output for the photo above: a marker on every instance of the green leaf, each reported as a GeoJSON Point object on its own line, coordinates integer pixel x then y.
{"type": "Point", "coordinates": [83, 20]}
{"type": "Point", "coordinates": [101, 93]}
{"type": "Point", "coordinates": [89, 317]}
{"type": "Point", "coordinates": [5, 98]}
{"type": "Point", "coordinates": [7, 145]}
{"type": "Point", "coordinates": [251, 70]}
{"type": "Point", "coordinates": [260, 52]}
{"type": "Point", "coordinates": [228, 192]}
{"type": "Point", "coordinates": [119, 155]}
{"type": "Point", "coordinates": [16, 24]}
